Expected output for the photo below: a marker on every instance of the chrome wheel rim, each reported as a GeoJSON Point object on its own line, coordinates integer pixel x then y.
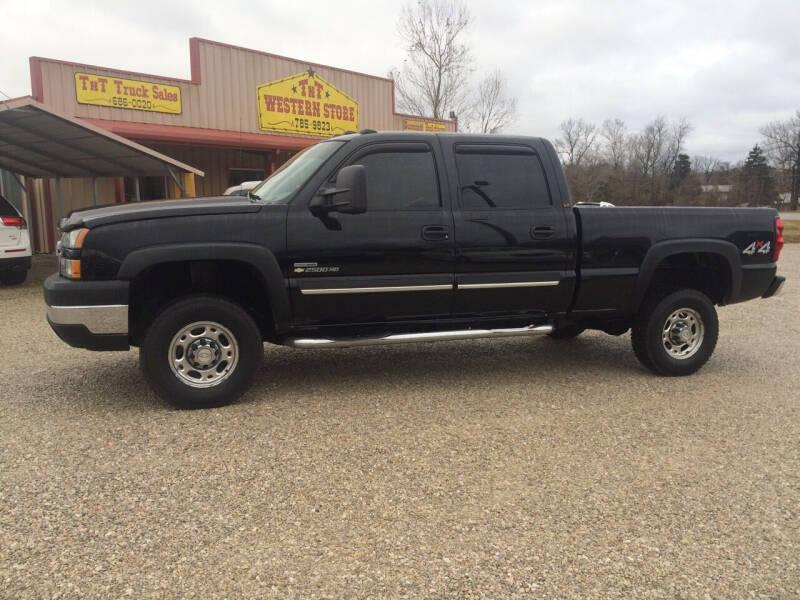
{"type": "Point", "coordinates": [203, 354]}
{"type": "Point", "coordinates": [683, 333]}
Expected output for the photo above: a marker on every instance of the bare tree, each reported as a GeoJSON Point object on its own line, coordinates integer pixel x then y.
{"type": "Point", "coordinates": [706, 166]}
{"type": "Point", "coordinates": [650, 151]}
{"type": "Point", "coordinates": [679, 131]}
{"type": "Point", "coordinates": [493, 109]}
{"type": "Point", "coordinates": [656, 149]}
{"type": "Point", "coordinates": [614, 132]}
{"type": "Point", "coordinates": [782, 142]}
{"type": "Point", "coordinates": [649, 147]}
{"type": "Point", "coordinates": [432, 80]}
{"type": "Point", "coordinates": [577, 142]}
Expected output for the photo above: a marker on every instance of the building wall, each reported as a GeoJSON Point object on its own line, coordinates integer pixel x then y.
{"type": "Point", "coordinates": [222, 92]}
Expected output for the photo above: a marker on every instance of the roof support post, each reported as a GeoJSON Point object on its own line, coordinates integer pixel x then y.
{"type": "Point", "coordinates": [94, 190]}
{"type": "Point", "coordinates": [177, 181]}
{"type": "Point", "coordinates": [138, 191]}
{"type": "Point", "coordinates": [19, 181]}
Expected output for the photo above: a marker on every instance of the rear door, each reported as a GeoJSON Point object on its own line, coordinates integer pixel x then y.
{"type": "Point", "coordinates": [513, 241]}
{"type": "Point", "coordinates": [393, 262]}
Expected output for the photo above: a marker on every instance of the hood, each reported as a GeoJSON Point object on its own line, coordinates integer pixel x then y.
{"type": "Point", "coordinates": [157, 209]}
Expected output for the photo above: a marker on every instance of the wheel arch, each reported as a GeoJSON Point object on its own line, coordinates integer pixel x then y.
{"type": "Point", "coordinates": [726, 252]}
{"type": "Point", "coordinates": [258, 258]}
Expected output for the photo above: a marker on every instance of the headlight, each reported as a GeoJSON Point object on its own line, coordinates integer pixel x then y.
{"type": "Point", "coordinates": [69, 267]}
{"type": "Point", "coordinates": [69, 251]}
{"type": "Point", "coordinates": [73, 239]}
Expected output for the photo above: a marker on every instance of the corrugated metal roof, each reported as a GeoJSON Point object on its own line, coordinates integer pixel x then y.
{"type": "Point", "coordinates": [36, 141]}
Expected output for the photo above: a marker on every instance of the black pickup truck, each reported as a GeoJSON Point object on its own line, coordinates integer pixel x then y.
{"type": "Point", "coordinates": [386, 238]}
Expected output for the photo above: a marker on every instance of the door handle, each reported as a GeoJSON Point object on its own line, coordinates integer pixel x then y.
{"type": "Point", "coordinates": [541, 231]}
{"type": "Point", "coordinates": [435, 233]}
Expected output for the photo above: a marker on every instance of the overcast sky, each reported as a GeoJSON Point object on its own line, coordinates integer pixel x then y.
{"type": "Point", "coordinates": [729, 66]}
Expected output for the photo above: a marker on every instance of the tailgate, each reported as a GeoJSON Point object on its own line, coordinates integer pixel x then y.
{"type": "Point", "coordinates": [10, 236]}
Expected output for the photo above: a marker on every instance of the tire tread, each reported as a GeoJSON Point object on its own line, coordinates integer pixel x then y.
{"type": "Point", "coordinates": [646, 348]}
{"type": "Point", "coordinates": [187, 397]}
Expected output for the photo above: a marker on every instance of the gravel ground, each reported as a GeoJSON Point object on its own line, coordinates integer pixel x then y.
{"type": "Point", "coordinates": [486, 469]}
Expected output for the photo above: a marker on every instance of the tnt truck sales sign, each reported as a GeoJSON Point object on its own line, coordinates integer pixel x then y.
{"type": "Point", "coordinates": [102, 90]}
{"type": "Point", "coordinates": [305, 103]}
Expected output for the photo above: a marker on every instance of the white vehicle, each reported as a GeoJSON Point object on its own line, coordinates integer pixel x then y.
{"type": "Point", "coordinates": [240, 189]}
{"type": "Point", "coordinates": [15, 245]}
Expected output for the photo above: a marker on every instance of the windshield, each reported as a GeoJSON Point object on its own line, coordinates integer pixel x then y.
{"type": "Point", "coordinates": [279, 187]}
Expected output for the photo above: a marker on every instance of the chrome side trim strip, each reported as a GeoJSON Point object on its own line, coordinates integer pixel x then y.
{"type": "Point", "coordinates": [512, 284]}
{"type": "Point", "coordinates": [374, 290]}
{"type": "Point", "coordinates": [425, 288]}
{"type": "Point", "coordinates": [429, 336]}
{"type": "Point", "coordinates": [111, 318]}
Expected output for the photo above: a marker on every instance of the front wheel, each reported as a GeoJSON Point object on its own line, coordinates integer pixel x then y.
{"type": "Point", "coordinates": [201, 351]}
{"type": "Point", "coordinates": [676, 334]}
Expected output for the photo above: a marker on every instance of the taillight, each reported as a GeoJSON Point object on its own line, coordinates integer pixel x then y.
{"type": "Point", "coordinates": [778, 239]}
{"type": "Point", "coordinates": [15, 222]}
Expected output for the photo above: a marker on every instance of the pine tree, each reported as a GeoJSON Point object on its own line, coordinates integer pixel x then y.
{"type": "Point", "coordinates": [681, 170]}
{"type": "Point", "coordinates": [756, 179]}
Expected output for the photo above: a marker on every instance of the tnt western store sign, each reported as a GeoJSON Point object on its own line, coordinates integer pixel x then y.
{"type": "Point", "coordinates": [306, 103]}
{"type": "Point", "coordinates": [239, 115]}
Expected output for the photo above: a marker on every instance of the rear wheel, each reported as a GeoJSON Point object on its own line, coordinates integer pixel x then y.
{"type": "Point", "coordinates": [675, 334]}
{"type": "Point", "coordinates": [201, 351]}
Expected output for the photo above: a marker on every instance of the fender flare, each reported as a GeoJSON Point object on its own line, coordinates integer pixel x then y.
{"type": "Point", "coordinates": [662, 250]}
{"type": "Point", "coordinates": [258, 257]}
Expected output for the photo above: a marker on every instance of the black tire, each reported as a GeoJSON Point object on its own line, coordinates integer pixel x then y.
{"type": "Point", "coordinates": [567, 332]}
{"type": "Point", "coordinates": [698, 318]}
{"type": "Point", "coordinates": [156, 352]}
{"type": "Point", "coordinates": [15, 278]}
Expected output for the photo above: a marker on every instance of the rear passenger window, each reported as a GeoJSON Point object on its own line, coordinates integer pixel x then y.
{"type": "Point", "coordinates": [494, 180]}
{"type": "Point", "coordinates": [7, 209]}
{"type": "Point", "coordinates": [400, 180]}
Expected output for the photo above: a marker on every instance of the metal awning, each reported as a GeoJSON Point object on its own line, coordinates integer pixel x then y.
{"type": "Point", "coordinates": [36, 141]}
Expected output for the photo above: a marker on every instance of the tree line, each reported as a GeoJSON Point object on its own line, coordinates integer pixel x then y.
{"type": "Point", "coordinates": [609, 163]}
{"type": "Point", "coordinates": [603, 162]}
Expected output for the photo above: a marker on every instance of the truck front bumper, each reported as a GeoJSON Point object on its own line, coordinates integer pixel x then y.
{"type": "Point", "coordinates": [88, 314]}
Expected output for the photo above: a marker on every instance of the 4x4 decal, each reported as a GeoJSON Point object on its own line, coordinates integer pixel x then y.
{"type": "Point", "coordinates": [759, 247]}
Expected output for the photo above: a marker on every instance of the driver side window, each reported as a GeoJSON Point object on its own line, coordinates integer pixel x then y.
{"type": "Point", "coordinates": [400, 180]}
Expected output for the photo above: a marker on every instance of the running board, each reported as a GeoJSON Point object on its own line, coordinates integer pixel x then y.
{"type": "Point", "coordinates": [430, 336]}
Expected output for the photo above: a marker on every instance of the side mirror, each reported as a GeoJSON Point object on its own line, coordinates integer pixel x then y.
{"type": "Point", "coordinates": [348, 197]}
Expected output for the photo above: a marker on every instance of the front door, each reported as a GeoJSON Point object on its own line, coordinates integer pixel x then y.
{"type": "Point", "coordinates": [513, 243]}
{"type": "Point", "coordinates": [394, 262]}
